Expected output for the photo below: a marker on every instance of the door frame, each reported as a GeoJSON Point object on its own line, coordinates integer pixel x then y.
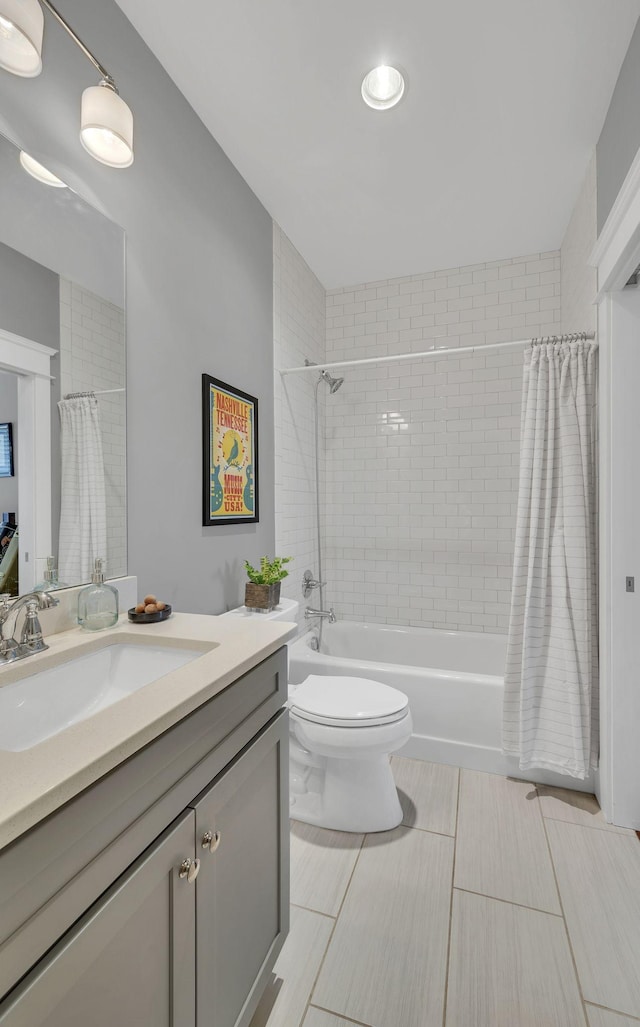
{"type": "Point", "coordinates": [31, 362]}
{"type": "Point", "coordinates": [615, 256]}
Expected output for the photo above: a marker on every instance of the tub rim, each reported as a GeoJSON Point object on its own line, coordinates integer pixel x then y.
{"type": "Point", "coordinates": [301, 649]}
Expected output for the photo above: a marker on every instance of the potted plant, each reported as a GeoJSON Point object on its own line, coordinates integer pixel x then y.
{"type": "Point", "coordinates": [262, 591]}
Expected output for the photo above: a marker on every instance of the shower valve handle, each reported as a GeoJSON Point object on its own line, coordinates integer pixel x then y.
{"type": "Point", "coordinates": [309, 583]}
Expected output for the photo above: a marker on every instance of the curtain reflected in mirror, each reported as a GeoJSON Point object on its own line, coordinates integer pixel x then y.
{"type": "Point", "coordinates": [83, 508]}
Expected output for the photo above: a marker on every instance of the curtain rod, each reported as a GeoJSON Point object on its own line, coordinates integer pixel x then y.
{"type": "Point", "coordinates": [100, 392]}
{"type": "Point", "coordinates": [442, 352]}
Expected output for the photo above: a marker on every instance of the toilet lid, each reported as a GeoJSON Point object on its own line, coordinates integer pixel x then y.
{"type": "Point", "coordinates": [346, 700]}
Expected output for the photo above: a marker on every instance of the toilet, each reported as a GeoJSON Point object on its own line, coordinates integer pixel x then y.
{"type": "Point", "coordinates": [342, 733]}
{"type": "Point", "coordinates": [343, 730]}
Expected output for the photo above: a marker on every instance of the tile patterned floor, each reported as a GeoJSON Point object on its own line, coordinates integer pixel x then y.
{"type": "Point", "coordinates": [496, 904]}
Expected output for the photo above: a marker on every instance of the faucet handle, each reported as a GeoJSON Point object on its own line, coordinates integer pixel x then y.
{"type": "Point", "coordinates": [309, 583]}
{"type": "Point", "coordinates": [31, 630]}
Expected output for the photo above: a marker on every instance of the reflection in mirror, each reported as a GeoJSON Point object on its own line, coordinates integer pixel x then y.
{"type": "Point", "coordinates": [8, 484]}
{"type": "Point", "coordinates": [62, 287]}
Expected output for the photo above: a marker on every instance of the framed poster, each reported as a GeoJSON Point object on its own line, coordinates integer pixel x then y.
{"type": "Point", "coordinates": [230, 454]}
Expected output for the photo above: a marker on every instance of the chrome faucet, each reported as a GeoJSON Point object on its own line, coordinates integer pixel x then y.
{"type": "Point", "coordinates": [329, 614]}
{"type": "Point", "coordinates": [31, 639]}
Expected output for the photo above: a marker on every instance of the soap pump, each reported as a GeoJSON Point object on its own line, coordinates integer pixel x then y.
{"type": "Point", "coordinates": [50, 580]}
{"type": "Point", "coordinates": [98, 602]}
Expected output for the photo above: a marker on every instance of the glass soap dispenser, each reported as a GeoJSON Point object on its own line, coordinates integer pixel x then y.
{"type": "Point", "coordinates": [50, 581]}
{"type": "Point", "coordinates": [98, 602]}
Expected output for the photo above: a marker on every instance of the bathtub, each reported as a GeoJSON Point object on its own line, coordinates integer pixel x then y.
{"type": "Point", "coordinates": [454, 681]}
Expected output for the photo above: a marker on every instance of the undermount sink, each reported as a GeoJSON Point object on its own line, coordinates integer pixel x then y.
{"type": "Point", "coordinates": [43, 704]}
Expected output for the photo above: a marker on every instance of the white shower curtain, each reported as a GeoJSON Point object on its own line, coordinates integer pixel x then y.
{"type": "Point", "coordinates": [83, 512]}
{"type": "Point", "coordinates": [551, 680]}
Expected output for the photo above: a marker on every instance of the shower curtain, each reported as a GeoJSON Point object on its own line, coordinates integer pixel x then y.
{"type": "Point", "coordinates": [551, 680]}
{"type": "Point", "coordinates": [83, 512]}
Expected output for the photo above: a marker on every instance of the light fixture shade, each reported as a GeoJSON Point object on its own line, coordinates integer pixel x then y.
{"type": "Point", "coordinates": [39, 172]}
{"type": "Point", "coordinates": [382, 87]}
{"type": "Point", "coordinates": [21, 29]}
{"type": "Point", "coordinates": [106, 127]}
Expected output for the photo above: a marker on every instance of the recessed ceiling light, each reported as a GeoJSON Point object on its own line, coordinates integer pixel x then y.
{"type": "Point", "coordinates": [383, 87]}
{"type": "Point", "coordinates": [38, 171]}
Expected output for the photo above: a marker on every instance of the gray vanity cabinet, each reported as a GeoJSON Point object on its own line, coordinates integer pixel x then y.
{"type": "Point", "coordinates": [131, 959]}
{"type": "Point", "coordinates": [242, 889]}
{"type": "Point", "coordinates": [147, 943]}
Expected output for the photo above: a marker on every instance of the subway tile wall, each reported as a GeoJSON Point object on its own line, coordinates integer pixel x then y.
{"type": "Point", "coordinates": [299, 334]}
{"type": "Point", "coordinates": [421, 468]}
{"type": "Point", "coordinates": [93, 357]}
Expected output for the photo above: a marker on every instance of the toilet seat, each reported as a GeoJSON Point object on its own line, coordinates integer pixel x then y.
{"type": "Point", "coordinates": [349, 702]}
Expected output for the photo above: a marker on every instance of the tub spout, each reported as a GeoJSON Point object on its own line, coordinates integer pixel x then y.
{"type": "Point", "coordinates": [329, 614]}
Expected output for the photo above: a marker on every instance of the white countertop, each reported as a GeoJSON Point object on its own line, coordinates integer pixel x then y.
{"type": "Point", "coordinates": [37, 781]}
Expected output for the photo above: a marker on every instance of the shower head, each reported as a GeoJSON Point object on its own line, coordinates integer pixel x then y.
{"type": "Point", "coordinates": [333, 383]}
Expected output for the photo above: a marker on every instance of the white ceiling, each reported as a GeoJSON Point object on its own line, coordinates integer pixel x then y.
{"type": "Point", "coordinates": [481, 160]}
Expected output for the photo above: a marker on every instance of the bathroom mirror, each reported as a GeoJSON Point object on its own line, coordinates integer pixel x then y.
{"type": "Point", "coordinates": [62, 301]}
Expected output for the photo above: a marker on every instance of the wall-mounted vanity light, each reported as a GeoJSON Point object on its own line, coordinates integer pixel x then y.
{"type": "Point", "coordinates": [106, 123]}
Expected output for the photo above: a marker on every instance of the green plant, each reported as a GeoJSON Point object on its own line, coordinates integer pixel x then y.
{"type": "Point", "coordinates": [271, 571]}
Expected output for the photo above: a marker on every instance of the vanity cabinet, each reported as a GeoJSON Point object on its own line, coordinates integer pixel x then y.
{"type": "Point", "coordinates": [130, 960]}
{"type": "Point", "coordinates": [188, 934]}
{"type": "Point", "coordinates": [242, 880]}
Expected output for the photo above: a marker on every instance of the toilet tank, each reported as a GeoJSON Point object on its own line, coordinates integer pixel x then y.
{"type": "Point", "coordinates": [287, 609]}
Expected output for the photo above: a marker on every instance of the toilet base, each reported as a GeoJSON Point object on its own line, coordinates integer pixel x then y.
{"type": "Point", "coordinates": [352, 795]}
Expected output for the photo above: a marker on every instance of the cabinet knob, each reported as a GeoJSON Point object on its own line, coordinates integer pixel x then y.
{"type": "Point", "coordinates": [211, 840]}
{"type": "Point", "coordinates": [189, 868]}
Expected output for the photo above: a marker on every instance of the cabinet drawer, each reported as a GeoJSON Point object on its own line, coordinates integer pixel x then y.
{"type": "Point", "coordinates": [54, 872]}
{"type": "Point", "coordinates": [242, 892]}
{"type": "Point", "coordinates": [130, 960]}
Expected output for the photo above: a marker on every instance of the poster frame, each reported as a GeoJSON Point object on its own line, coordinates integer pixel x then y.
{"type": "Point", "coordinates": [208, 518]}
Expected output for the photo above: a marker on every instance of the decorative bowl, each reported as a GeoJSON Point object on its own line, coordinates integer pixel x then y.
{"type": "Point", "coordinates": [149, 618]}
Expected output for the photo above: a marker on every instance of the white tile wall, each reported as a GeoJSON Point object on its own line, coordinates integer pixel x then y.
{"type": "Point", "coordinates": [420, 460]}
{"type": "Point", "coordinates": [579, 281]}
{"type": "Point", "coordinates": [92, 352]}
{"type": "Point", "coordinates": [299, 334]}
{"type": "Point", "coordinates": [422, 457]}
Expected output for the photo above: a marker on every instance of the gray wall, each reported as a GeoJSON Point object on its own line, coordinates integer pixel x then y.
{"type": "Point", "coordinates": [620, 137]}
{"type": "Point", "coordinates": [29, 298]}
{"type": "Point", "coordinates": [199, 294]}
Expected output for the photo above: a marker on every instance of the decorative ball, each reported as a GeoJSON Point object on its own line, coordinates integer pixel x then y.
{"type": "Point", "coordinates": [151, 608]}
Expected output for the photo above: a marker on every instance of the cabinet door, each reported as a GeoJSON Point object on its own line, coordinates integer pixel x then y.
{"type": "Point", "coordinates": [242, 892]}
{"type": "Point", "coordinates": [130, 960]}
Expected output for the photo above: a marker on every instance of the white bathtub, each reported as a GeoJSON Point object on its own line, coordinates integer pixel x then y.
{"type": "Point", "coordinates": [454, 681]}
